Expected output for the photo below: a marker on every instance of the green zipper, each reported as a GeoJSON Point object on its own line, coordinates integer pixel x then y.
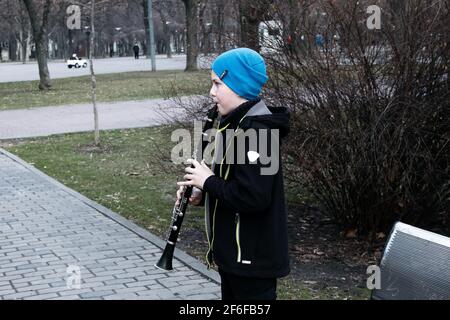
{"type": "Point", "coordinates": [238, 226]}
{"type": "Point", "coordinates": [211, 244]}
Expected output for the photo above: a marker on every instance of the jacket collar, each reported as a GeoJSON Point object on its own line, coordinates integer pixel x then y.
{"type": "Point", "coordinates": [249, 108]}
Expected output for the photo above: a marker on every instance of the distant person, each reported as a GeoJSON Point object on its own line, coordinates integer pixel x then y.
{"type": "Point", "coordinates": [319, 40]}
{"type": "Point", "coordinates": [290, 43]}
{"type": "Point", "coordinates": [136, 51]}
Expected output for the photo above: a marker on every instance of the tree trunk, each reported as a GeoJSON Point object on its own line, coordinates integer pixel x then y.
{"type": "Point", "coordinates": [166, 31]}
{"type": "Point", "coordinates": [12, 48]}
{"type": "Point", "coordinates": [71, 51]}
{"type": "Point", "coordinates": [167, 41]}
{"type": "Point", "coordinates": [40, 38]}
{"type": "Point", "coordinates": [93, 80]}
{"type": "Point", "coordinates": [201, 24]}
{"type": "Point", "coordinates": [44, 74]}
{"type": "Point", "coordinates": [191, 34]}
{"type": "Point", "coordinates": [251, 14]}
{"type": "Point", "coordinates": [219, 25]}
{"type": "Point", "coordinates": [28, 45]}
{"type": "Point", "coordinates": [147, 31]}
{"type": "Point", "coordinates": [23, 45]}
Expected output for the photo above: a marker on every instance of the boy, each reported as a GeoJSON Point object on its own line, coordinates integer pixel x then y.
{"type": "Point", "coordinates": [244, 205]}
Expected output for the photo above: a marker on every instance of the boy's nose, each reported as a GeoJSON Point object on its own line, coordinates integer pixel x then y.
{"type": "Point", "coordinates": [212, 92]}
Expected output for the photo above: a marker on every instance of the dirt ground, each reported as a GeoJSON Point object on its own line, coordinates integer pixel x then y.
{"type": "Point", "coordinates": [321, 256]}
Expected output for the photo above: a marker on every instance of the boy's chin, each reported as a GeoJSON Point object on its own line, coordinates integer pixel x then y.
{"type": "Point", "coordinates": [221, 110]}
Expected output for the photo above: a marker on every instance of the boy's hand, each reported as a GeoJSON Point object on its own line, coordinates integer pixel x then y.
{"type": "Point", "coordinates": [196, 176]}
{"type": "Point", "coordinates": [195, 199]}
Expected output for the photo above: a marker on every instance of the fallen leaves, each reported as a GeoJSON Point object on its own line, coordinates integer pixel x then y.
{"type": "Point", "coordinates": [351, 234]}
{"type": "Point", "coordinates": [318, 252]}
{"type": "Point", "coordinates": [380, 235]}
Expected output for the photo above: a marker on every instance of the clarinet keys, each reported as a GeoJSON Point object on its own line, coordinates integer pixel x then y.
{"type": "Point", "coordinates": [165, 261]}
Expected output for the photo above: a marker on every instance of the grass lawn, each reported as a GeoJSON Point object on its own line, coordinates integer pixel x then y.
{"type": "Point", "coordinates": [110, 87]}
{"type": "Point", "coordinates": [290, 288]}
{"type": "Point", "coordinates": [126, 176]}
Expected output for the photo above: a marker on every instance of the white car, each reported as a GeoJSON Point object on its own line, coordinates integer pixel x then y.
{"type": "Point", "coordinates": [76, 62]}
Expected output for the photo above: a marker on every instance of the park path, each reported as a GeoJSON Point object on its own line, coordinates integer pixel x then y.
{"type": "Point", "coordinates": [57, 244]}
{"type": "Point", "coordinates": [45, 121]}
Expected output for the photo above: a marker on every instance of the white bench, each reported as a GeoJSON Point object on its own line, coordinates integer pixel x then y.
{"type": "Point", "coordinates": [415, 266]}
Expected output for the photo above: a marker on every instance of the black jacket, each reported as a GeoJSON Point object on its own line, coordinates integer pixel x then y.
{"type": "Point", "coordinates": [245, 212]}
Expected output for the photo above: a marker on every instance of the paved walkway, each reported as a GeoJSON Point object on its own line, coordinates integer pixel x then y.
{"type": "Point", "coordinates": [44, 121]}
{"type": "Point", "coordinates": [50, 235]}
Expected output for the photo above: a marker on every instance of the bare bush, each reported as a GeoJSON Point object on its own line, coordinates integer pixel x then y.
{"type": "Point", "coordinates": [181, 112]}
{"type": "Point", "coordinates": [370, 109]}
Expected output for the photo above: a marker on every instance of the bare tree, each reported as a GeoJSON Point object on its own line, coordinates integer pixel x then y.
{"type": "Point", "coordinates": [39, 23]}
{"type": "Point", "coordinates": [93, 80]}
{"type": "Point", "coordinates": [370, 111]}
{"type": "Point", "coordinates": [219, 19]}
{"type": "Point", "coordinates": [191, 7]}
{"type": "Point", "coordinates": [252, 13]}
{"type": "Point", "coordinates": [91, 6]}
{"type": "Point", "coordinates": [15, 16]}
{"type": "Point", "coordinates": [147, 31]}
{"type": "Point", "coordinates": [166, 9]}
{"type": "Point", "coordinates": [203, 27]}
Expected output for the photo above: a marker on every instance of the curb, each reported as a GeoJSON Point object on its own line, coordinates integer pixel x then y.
{"type": "Point", "coordinates": [188, 260]}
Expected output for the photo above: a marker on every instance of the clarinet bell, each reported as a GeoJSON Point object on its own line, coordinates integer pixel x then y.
{"type": "Point", "coordinates": [165, 262]}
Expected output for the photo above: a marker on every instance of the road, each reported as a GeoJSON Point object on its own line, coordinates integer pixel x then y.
{"type": "Point", "coordinates": [16, 71]}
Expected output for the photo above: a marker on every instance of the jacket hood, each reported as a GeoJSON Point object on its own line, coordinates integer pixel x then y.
{"type": "Point", "coordinates": [278, 119]}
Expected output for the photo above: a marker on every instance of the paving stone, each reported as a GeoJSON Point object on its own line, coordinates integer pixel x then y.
{"type": "Point", "coordinates": [45, 228]}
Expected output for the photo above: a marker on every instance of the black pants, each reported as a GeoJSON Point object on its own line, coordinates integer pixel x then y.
{"type": "Point", "coordinates": [244, 288]}
{"type": "Point", "coordinates": [136, 55]}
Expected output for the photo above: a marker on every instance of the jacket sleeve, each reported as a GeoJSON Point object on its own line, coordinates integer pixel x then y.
{"type": "Point", "coordinates": [248, 192]}
{"type": "Point", "coordinates": [202, 202]}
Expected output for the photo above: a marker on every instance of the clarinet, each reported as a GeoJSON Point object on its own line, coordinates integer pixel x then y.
{"type": "Point", "coordinates": [165, 262]}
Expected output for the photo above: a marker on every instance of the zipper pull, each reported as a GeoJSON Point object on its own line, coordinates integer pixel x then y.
{"type": "Point", "coordinates": [236, 218]}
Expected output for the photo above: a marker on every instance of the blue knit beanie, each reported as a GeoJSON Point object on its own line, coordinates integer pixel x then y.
{"type": "Point", "coordinates": [243, 70]}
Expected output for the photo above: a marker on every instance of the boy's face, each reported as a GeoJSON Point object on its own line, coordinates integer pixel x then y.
{"type": "Point", "coordinates": [223, 96]}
